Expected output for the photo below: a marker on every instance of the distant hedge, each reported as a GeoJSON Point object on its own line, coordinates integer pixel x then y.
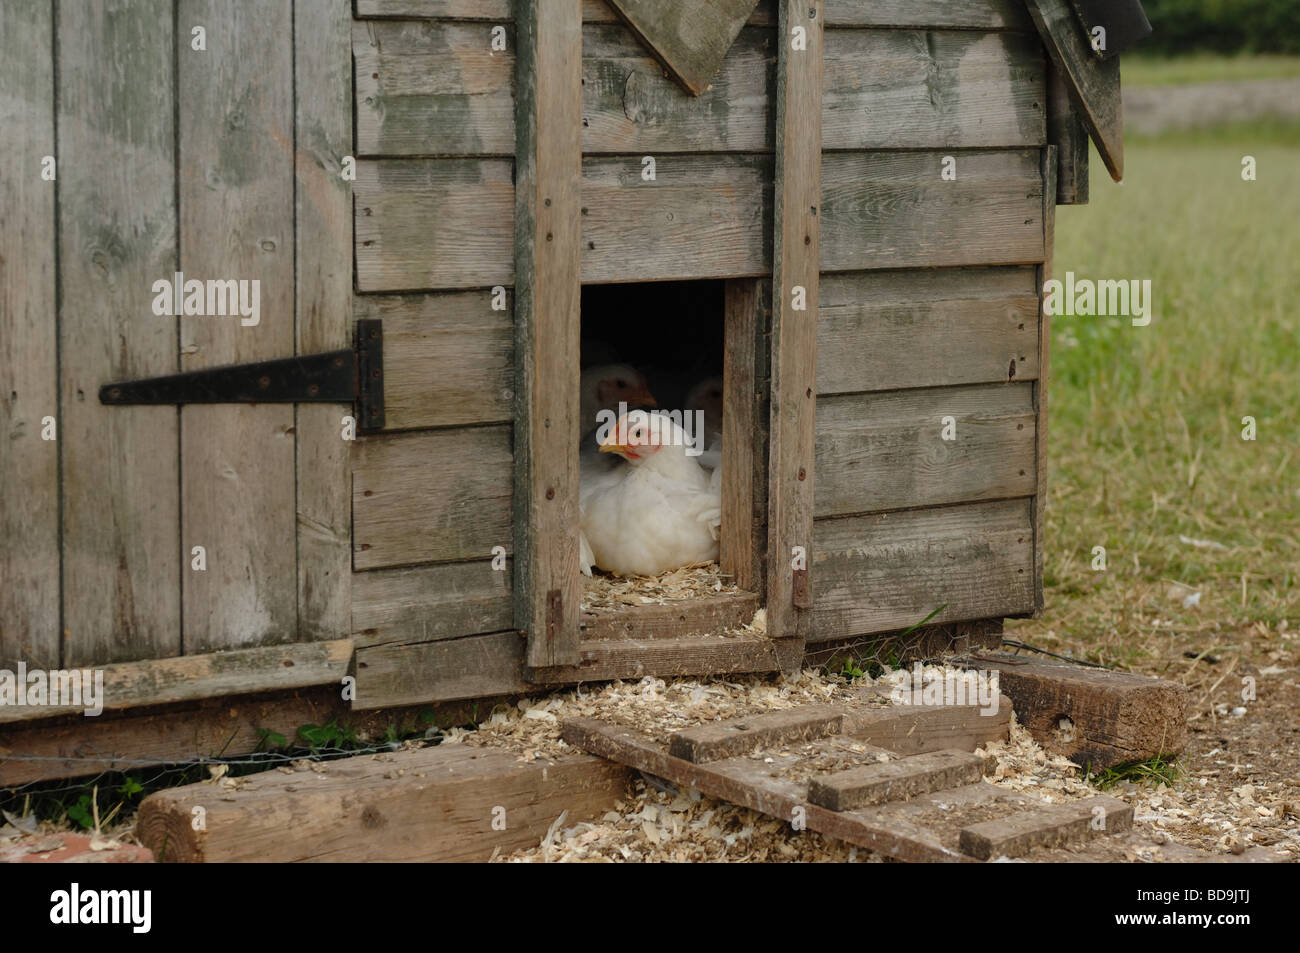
{"type": "Point", "coordinates": [1225, 26]}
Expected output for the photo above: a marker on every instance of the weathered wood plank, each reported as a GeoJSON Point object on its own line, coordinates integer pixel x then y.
{"type": "Point", "coordinates": [214, 675]}
{"type": "Point", "coordinates": [968, 14]}
{"type": "Point", "coordinates": [743, 782]}
{"type": "Point", "coordinates": [689, 39]}
{"type": "Point", "coordinates": [117, 236]}
{"type": "Point", "coordinates": [422, 603]}
{"type": "Point", "coordinates": [1051, 825]}
{"type": "Point", "coordinates": [431, 496]}
{"type": "Point", "coordinates": [698, 655]}
{"type": "Point", "coordinates": [503, 10]}
{"type": "Point", "coordinates": [428, 88]}
{"type": "Point", "coordinates": [471, 345]}
{"type": "Point", "coordinates": [29, 468]}
{"type": "Point", "coordinates": [236, 221]}
{"type": "Point", "coordinates": [1049, 167]}
{"type": "Point", "coordinates": [886, 451]}
{"type": "Point", "coordinates": [890, 210]}
{"type": "Point", "coordinates": [895, 329]}
{"type": "Point", "coordinates": [895, 780]}
{"type": "Point", "coordinates": [739, 736]}
{"type": "Point", "coordinates": [473, 202]}
{"type": "Point", "coordinates": [432, 805]}
{"type": "Point", "coordinates": [1093, 82]}
{"type": "Point", "coordinates": [1066, 131]}
{"type": "Point", "coordinates": [1111, 717]}
{"type": "Point", "coordinates": [917, 729]}
{"type": "Point", "coordinates": [477, 666]}
{"type": "Point", "coordinates": [702, 217]}
{"type": "Point", "coordinates": [702, 615]}
{"type": "Point", "coordinates": [548, 195]}
{"type": "Point", "coordinates": [629, 106]}
{"type": "Point", "coordinates": [886, 89]}
{"type": "Point", "coordinates": [323, 124]}
{"type": "Point", "coordinates": [885, 572]}
{"type": "Point", "coordinates": [796, 248]}
{"type": "Point", "coordinates": [742, 319]}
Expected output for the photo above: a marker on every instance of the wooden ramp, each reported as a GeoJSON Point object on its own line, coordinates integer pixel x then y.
{"type": "Point", "coordinates": [812, 767]}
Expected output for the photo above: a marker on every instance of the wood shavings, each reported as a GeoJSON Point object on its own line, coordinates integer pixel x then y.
{"type": "Point", "coordinates": [608, 591]}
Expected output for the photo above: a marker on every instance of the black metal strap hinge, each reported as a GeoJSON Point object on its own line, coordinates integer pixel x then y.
{"type": "Point", "coordinates": [352, 376]}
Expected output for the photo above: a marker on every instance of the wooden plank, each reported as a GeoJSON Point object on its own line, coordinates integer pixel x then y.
{"type": "Point", "coordinates": [431, 602]}
{"type": "Point", "coordinates": [918, 729]}
{"type": "Point", "coordinates": [968, 14]}
{"type": "Point", "coordinates": [702, 217]}
{"type": "Point", "coordinates": [887, 89]}
{"type": "Point", "coordinates": [438, 804]}
{"type": "Point", "coordinates": [236, 222]}
{"type": "Point", "coordinates": [891, 210]}
{"type": "Point", "coordinates": [925, 328]}
{"type": "Point", "coordinates": [476, 666]}
{"type": "Point", "coordinates": [663, 658]}
{"type": "Point", "coordinates": [1093, 82]}
{"type": "Point", "coordinates": [885, 451]}
{"type": "Point", "coordinates": [742, 319]}
{"type": "Point", "coordinates": [1111, 717]}
{"type": "Point", "coordinates": [746, 783]}
{"type": "Point", "coordinates": [473, 202]}
{"type": "Point", "coordinates": [503, 10]}
{"type": "Point", "coordinates": [1066, 131]}
{"type": "Point", "coordinates": [795, 254]}
{"type": "Point", "coordinates": [323, 246]}
{"type": "Point", "coordinates": [218, 674]}
{"type": "Point", "coordinates": [433, 89]}
{"type": "Point", "coordinates": [548, 173]}
{"type": "Point", "coordinates": [431, 496]}
{"type": "Point", "coordinates": [889, 571]}
{"type": "Point", "coordinates": [702, 615]}
{"type": "Point", "coordinates": [689, 39]}
{"type": "Point", "coordinates": [1050, 165]}
{"type": "Point", "coordinates": [895, 780]}
{"type": "Point", "coordinates": [1051, 825]}
{"type": "Point", "coordinates": [472, 346]}
{"type": "Point", "coordinates": [29, 468]}
{"type": "Point", "coordinates": [117, 222]}
{"type": "Point", "coordinates": [734, 737]}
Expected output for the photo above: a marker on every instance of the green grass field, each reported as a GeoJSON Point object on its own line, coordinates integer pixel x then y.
{"type": "Point", "coordinates": [1139, 70]}
{"type": "Point", "coordinates": [1145, 423]}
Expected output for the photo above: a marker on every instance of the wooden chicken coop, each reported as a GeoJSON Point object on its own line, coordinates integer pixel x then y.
{"type": "Point", "coordinates": [423, 189]}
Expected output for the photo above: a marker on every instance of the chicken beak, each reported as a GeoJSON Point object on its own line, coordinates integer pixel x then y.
{"type": "Point", "coordinates": [646, 398]}
{"type": "Point", "coordinates": [613, 448]}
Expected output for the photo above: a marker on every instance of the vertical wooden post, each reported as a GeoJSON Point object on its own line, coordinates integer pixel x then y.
{"type": "Point", "coordinates": [29, 465]}
{"type": "Point", "coordinates": [742, 314]}
{"type": "Point", "coordinates": [1044, 353]}
{"type": "Point", "coordinates": [548, 186]}
{"type": "Point", "coordinates": [323, 129]}
{"type": "Point", "coordinates": [795, 263]}
{"type": "Point", "coordinates": [1066, 131]}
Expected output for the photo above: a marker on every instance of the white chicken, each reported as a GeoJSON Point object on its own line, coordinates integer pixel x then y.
{"type": "Point", "coordinates": [658, 512]}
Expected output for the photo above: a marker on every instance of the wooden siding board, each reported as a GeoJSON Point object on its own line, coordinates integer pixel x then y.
{"type": "Point", "coordinates": [896, 329]}
{"type": "Point", "coordinates": [889, 89]}
{"type": "Point", "coordinates": [117, 236]}
{"type": "Point", "coordinates": [425, 603]}
{"type": "Point", "coordinates": [548, 194]}
{"type": "Point", "coordinates": [884, 451]}
{"type": "Point", "coordinates": [431, 496]}
{"type": "Point", "coordinates": [477, 666]}
{"type": "Point", "coordinates": [796, 233]}
{"type": "Point", "coordinates": [29, 467]}
{"type": "Point", "coordinates": [471, 345]}
{"type": "Point", "coordinates": [890, 210]}
{"type": "Point", "coordinates": [323, 131]}
{"type": "Point", "coordinates": [888, 571]}
{"type": "Point", "coordinates": [238, 495]}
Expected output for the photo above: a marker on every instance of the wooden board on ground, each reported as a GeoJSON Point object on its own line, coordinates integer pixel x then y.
{"type": "Point", "coordinates": [1092, 716]}
{"type": "Point", "coordinates": [925, 807]}
{"type": "Point", "coordinates": [435, 804]}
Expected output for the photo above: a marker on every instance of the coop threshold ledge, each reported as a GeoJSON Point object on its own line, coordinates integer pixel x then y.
{"type": "Point", "coordinates": [193, 677]}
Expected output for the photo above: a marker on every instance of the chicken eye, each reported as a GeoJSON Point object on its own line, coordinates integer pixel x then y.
{"type": "Point", "coordinates": [620, 383]}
